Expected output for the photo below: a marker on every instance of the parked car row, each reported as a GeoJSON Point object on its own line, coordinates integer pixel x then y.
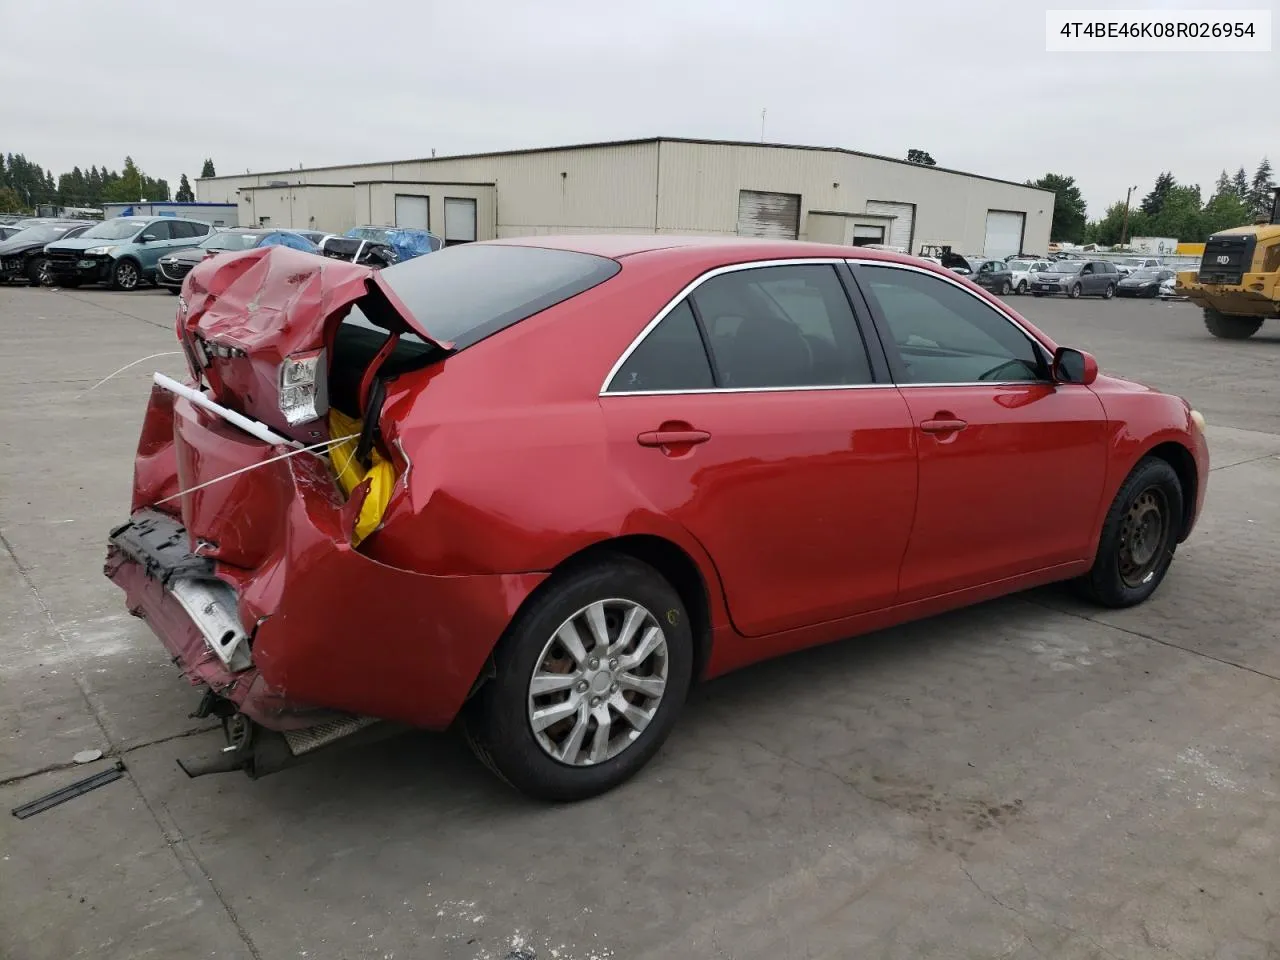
{"type": "Point", "coordinates": [127, 252]}
{"type": "Point", "coordinates": [1062, 275]}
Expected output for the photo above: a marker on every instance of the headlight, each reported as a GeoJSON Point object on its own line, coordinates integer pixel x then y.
{"type": "Point", "coordinates": [303, 387]}
{"type": "Point", "coordinates": [99, 251]}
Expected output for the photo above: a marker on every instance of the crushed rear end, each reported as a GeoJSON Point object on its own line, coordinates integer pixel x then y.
{"type": "Point", "coordinates": [250, 549]}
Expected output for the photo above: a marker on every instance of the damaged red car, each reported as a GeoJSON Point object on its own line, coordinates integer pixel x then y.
{"type": "Point", "coordinates": [539, 487]}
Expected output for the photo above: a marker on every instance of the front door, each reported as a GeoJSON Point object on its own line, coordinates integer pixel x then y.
{"type": "Point", "coordinates": [150, 252]}
{"type": "Point", "coordinates": [1012, 466]}
{"type": "Point", "coordinates": [776, 449]}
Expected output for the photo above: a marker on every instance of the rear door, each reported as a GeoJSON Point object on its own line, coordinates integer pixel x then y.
{"type": "Point", "coordinates": [752, 415]}
{"type": "Point", "coordinates": [1012, 466]}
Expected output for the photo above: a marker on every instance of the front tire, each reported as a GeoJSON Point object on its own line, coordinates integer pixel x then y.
{"type": "Point", "coordinates": [1075, 292]}
{"type": "Point", "coordinates": [1226, 327]}
{"type": "Point", "coordinates": [1110, 292]}
{"type": "Point", "coordinates": [36, 272]}
{"type": "Point", "coordinates": [1022, 287]}
{"type": "Point", "coordinates": [1138, 538]}
{"type": "Point", "coordinates": [589, 680]}
{"type": "Point", "coordinates": [1005, 289]}
{"type": "Point", "coordinates": [126, 275]}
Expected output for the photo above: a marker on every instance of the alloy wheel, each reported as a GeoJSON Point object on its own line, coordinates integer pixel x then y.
{"type": "Point", "coordinates": [126, 275]}
{"type": "Point", "coordinates": [1143, 533]}
{"type": "Point", "coordinates": [598, 682]}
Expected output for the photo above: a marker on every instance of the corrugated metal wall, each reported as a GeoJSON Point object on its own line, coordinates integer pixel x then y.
{"type": "Point", "coordinates": [677, 187]}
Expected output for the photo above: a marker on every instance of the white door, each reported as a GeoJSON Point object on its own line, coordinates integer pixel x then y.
{"type": "Point", "coordinates": [412, 212]}
{"type": "Point", "coordinates": [774, 215]}
{"type": "Point", "coordinates": [1004, 233]}
{"type": "Point", "coordinates": [459, 220]}
{"type": "Point", "coordinates": [904, 219]}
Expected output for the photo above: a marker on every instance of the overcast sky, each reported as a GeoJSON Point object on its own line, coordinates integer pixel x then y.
{"type": "Point", "coordinates": [276, 83]}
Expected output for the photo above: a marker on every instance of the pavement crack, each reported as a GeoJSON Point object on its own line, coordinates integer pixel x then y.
{"type": "Point", "coordinates": [1154, 639]}
{"type": "Point", "coordinates": [1024, 915]}
{"type": "Point", "coordinates": [76, 675]}
{"type": "Point", "coordinates": [97, 304]}
{"type": "Point", "coordinates": [1241, 463]}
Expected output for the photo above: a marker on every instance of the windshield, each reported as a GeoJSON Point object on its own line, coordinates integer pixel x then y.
{"type": "Point", "coordinates": [114, 230]}
{"type": "Point", "coordinates": [1147, 273]}
{"type": "Point", "coordinates": [465, 293]}
{"type": "Point", "coordinates": [1019, 264]}
{"type": "Point", "coordinates": [1065, 266]}
{"type": "Point", "coordinates": [42, 233]}
{"type": "Point", "coordinates": [230, 241]}
{"type": "Point", "coordinates": [1134, 262]}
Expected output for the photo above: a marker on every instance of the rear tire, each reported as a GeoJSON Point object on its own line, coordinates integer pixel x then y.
{"type": "Point", "coordinates": [1226, 327]}
{"type": "Point", "coordinates": [35, 271]}
{"type": "Point", "coordinates": [1022, 287]}
{"type": "Point", "coordinates": [498, 721]}
{"type": "Point", "coordinates": [1139, 536]}
{"type": "Point", "coordinates": [1005, 289]}
{"type": "Point", "coordinates": [1110, 292]}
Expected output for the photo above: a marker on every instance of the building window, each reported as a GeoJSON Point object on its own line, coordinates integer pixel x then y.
{"type": "Point", "coordinates": [864, 234]}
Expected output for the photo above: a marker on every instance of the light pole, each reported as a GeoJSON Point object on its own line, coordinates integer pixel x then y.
{"type": "Point", "coordinates": [1124, 230]}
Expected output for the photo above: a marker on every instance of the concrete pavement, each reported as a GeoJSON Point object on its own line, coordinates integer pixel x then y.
{"type": "Point", "coordinates": [1029, 778]}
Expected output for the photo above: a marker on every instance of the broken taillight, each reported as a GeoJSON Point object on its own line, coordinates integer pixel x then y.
{"type": "Point", "coordinates": [304, 395]}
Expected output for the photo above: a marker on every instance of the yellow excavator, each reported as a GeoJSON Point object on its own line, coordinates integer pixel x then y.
{"type": "Point", "coordinates": [1238, 284]}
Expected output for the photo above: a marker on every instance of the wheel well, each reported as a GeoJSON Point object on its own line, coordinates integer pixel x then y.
{"type": "Point", "coordinates": [1184, 465]}
{"type": "Point", "coordinates": [680, 571]}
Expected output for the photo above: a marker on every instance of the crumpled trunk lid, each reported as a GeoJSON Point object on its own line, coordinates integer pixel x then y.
{"type": "Point", "coordinates": [242, 315]}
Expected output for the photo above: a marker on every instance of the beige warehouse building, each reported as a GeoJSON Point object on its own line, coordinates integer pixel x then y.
{"type": "Point", "coordinates": [661, 185]}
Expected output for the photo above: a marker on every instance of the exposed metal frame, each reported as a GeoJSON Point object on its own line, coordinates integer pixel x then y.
{"type": "Point", "coordinates": [851, 262]}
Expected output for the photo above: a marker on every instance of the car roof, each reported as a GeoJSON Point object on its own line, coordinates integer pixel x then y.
{"type": "Point", "coordinates": [728, 249]}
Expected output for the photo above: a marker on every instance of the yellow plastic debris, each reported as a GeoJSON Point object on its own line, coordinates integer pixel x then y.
{"type": "Point", "coordinates": [381, 474]}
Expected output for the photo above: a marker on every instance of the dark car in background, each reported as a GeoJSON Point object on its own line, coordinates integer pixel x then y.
{"type": "Point", "coordinates": [173, 268]}
{"type": "Point", "coordinates": [993, 275]}
{"type": "Point", "coordinates": [1144, 282]}
{"type": "Point", "coordinates": [22, 253]}
{"type": "Point", "coordinates": [1077, 278]}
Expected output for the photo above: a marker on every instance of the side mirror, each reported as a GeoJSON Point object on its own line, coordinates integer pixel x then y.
{"type": "Point", "coordinates": [1074, 366]}
{"type": "Point", "coordinates": [146, 238]}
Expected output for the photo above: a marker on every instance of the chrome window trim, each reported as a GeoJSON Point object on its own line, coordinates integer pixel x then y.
{"type": "Point", "coordinates": [807, 261]}
{"type": "Point", "coordinates": [688, 289]}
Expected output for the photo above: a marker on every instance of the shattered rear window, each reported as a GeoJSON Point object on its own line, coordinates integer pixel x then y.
{"type": "Point", "coordinates": [471, 291]}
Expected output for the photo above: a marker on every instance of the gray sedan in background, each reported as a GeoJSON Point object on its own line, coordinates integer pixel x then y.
{"type": "Point", "coordinates": [1076, 278]}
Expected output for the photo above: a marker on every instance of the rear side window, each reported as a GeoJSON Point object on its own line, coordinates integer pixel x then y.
{"type": "Point", "coordinates": [468, 292]}
{"type": "Point", "coordinates": [671, 357]}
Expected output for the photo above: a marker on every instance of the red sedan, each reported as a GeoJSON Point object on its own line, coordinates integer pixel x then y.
{"type": "Point", "coordinates": [542, 486]}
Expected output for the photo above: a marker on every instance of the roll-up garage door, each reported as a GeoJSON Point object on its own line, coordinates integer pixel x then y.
{"type": "Point", "coordinates": [459, 220]}
{"type": "Point", "coordinates": [1004, 233]}
{"type": "Point", "coordinates": [775, 215]}
{"type": "Point", "coordinates": [904, 214]}
{"type": "Point", "coordinates": [412, 212]}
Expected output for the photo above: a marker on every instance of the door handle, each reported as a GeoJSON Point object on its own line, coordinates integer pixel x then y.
{"type": "Point", "coordinates": [943, 426]}
{"type": "Point", "coordinates": [672, 438]}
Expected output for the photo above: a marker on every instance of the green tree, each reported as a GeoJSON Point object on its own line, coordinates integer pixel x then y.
{"type": "Point", "coordinates": [127, 188]}
{"type": "Point", "coordinates": [1224, 210]}
{"type": "Point", "coordinates": [1069, 209]}
{"type": "Point", "coordinates": [1261, 191]}
{"type": "Point", "coordinates": [184, 194]}
{"type": "Point", "coordinates": [1108, 230]}
{"type": "Point", "coordinates": [207, 170]}
{"type": "Point", "coordinates": [921, 157]}
{"type": "Point", "coordinates": [1181, 215]}
{"type": "Point", "coordinates": [10, 202]}
{"type": "Point", "coordinates": [1241, 184]}
{"type": "Point", "coordinates": [1153, 202]}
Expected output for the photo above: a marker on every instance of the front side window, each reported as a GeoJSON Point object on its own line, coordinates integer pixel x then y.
{"type": "Point", "coordinates": [159, 230]}
{"type": "Point", "coordinates": [944, 334]}
{"type": "Point", "coordinates": [783, 326]}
